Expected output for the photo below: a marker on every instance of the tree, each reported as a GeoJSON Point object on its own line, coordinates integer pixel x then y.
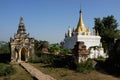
{"type": "Point", "coordinates": [54, 48]}
{"type": "Point", "coordinates": [39, 44]}
{"type": "Point", "coordinates": [4, 47]}
{"type": "Point", "coordinates": [65, 51]}
{"type": "Point", "coordinates": [107, 29]}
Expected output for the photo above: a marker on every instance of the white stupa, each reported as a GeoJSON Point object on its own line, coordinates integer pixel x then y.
{"type": "Point", "coordinates": [81, 33]}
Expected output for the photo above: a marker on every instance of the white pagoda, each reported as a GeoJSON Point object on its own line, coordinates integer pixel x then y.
{"type": "Point", "coordinates": [81, 33]}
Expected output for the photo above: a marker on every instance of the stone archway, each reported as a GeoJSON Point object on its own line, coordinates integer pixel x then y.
{"type": "Point", "coordinates": [16, 55]}
{"type": "Point", "coordinates": [23, 54]}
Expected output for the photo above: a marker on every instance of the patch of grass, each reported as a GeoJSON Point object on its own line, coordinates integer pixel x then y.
{"type": "Point", "coordinates": [20, 74]}
{"type": "Point", "coordinates": [85, 67]}
{"type": "Point", "coordinates": [67, 74]}
{"type": "Point", "coordinates": [6, 69]}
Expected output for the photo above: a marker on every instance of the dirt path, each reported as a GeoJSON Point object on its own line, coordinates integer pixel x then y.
{"type": "Point", "coordinates": [35, 72]}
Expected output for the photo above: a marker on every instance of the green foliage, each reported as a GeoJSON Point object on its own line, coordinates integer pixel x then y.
{"type": "Point", "coordinates": [4, 48]}
{"type": "Point", "coordinates": [55, 48]}
{"type": "Point", "coordinates": [65, 51]}
{"type": "Point", "coordinates": [85, 67]}
{"type": "Point", "coordinates": [34, 59]}
{"type": "Point", "coordinates": [6, 69]}
{"type": "Point", "coordinates": [52, 48]}
{"type": "Point", "coordinates": [63, 61]}
{"type": "Point", "coordinates": [47, 59]}
{"type": "Point", "coordinates": [39, 44]}
{"type": "Point", "coordinates": [54, 60]}
{"type": "Point", "coordinates": [57, 62]}
{"type": "Point", "coordinates": [44, 58]}
{"type": "Point", "coordinates": [107, 29]}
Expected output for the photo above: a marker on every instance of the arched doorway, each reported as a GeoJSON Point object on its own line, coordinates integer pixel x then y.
{"type": "Point", "coordinates": [23, 54]}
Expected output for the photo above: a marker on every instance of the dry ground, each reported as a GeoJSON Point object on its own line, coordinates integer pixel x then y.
{"type": "Point", "coordinates": [58, 74]}
{"type": "Point", "coordinates": [66, 74]}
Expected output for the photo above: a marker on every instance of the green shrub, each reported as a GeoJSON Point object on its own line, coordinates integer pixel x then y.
{"type": "Point", "coordinates": [44, 58]}
{"type": "Point", "coordinates": [34, 59]}
{"type": "Point", "coordinates": [85, 67]}
{"type": "Point", "coordinates": [6, 69]}
{"type": "Point", "coordinates": [58, 62]}
{"type": "Point", "coordinates": [54, 60]}
{"type": "Point", "coordinates": [65, 51]}
{"type": "Point", "coordinates": [64, 61]}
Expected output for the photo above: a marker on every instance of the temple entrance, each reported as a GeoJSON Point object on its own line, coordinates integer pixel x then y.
{"type": "Point", "coordinates": [23, 54]}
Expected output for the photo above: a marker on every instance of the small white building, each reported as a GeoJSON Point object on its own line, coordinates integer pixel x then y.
{"type": "Point", "coordinates": [97, 53]}
{"type": "Point", "coordinates": [81, 33]}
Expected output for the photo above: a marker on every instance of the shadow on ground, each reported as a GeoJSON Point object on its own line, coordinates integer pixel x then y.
{"type": "Point", "coordinates": [107, 67]}
{"type": "Point", "coordinates": [5, 57]}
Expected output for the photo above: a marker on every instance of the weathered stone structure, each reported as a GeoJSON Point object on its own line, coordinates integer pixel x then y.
{"type": "Point", "coordinates": [80, 52]}
{"type": "Point", "coordinates": [22, 47]}
{"type": "Point", "coordinates": [44, 48]}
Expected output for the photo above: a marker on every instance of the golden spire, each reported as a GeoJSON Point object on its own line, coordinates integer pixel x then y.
{"type": "Point", "coordinates": [80, 26]}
